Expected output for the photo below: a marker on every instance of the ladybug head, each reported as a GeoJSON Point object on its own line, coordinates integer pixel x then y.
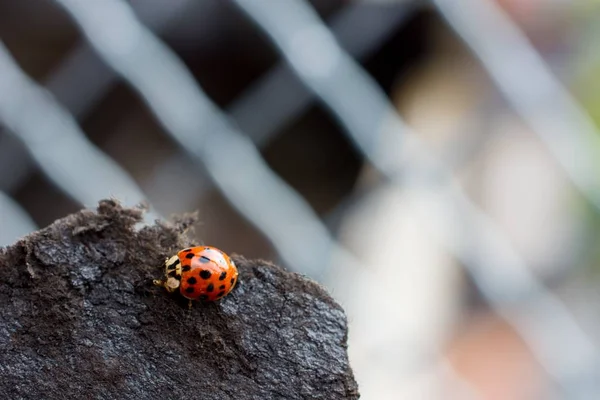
{"type": "Point", "coordinates": [172, 274]}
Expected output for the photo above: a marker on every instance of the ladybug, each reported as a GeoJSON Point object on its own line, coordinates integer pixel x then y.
{"type": "Point", "coordinates": [200, 273]}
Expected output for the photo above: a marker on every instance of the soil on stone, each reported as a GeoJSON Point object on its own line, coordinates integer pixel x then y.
{"type": "Point", "coordinates": [80, 318]}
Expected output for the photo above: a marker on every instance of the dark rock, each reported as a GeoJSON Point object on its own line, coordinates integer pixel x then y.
{"type": "Point", "coordinates": [80, 318]}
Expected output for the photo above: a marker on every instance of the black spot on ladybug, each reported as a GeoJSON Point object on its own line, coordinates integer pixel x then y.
{"type": "Point", "coordinates": [223, 275]}
{"type": "Point", "coordinates": [204, 260]}
{"type": "Point", "coordinates": [203, 297]}
{"type": "Point", "coordinates": [189, 289]}
{"type": "Point", "coordinates": [186, 268]}
{"type": "Point", "coordinates": [210, 288]}
{"type": "Point", "coordinates": [221, 293]}
{"type": "Point", "coordinates": [172, 273]}
{"type": "Point", "coordinates": [192, 280]}
{"type": "Point", "coordinates": [232, 280]}
{"type": "Point", "coordinates": [189, 255]}
{"type": "Point", "coordinates": [222, 287]}
{"type": "Point", "coordinates": [204, 274]}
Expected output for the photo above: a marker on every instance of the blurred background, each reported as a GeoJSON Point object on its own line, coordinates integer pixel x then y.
{"type": "Point", "coordinates": [433, 164]}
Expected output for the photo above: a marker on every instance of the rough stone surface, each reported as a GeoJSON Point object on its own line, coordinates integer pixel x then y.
{"type": "Point", "coordinates": [79, 318]}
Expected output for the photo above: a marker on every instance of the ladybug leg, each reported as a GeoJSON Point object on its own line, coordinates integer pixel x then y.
{"type": "Point", "coordinates": [158, 282]}
{"type": "Point", "coordinates": [171, 284]}
{"type": "Point", "coordinates": [190, 305]}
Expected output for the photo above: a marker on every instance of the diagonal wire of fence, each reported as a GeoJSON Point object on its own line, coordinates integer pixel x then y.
{"type": "Point", "coordinates": [562, 347]}
{"type": "Point", "coordinates": [56, 142]}
{"type": "Point", "coordinates": [530, 87]}
{"type": "Point", "coordinates": [279, 96]}
{"type": "Point", "coordinates": [78, 83]}
{"type": "Point", "coordinates": [81, 80]}
{"type": "Point", "coordinates": [15, 221]}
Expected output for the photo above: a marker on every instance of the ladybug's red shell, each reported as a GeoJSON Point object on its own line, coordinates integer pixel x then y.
{"type": "Point", "coordinates": [206, 273]}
